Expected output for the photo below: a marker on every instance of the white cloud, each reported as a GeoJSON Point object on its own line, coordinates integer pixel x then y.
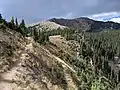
{"type": "Point", "coordinates": [69, 15]}
{"type": "Point", "coordinates": [115, 20]}
{"type": "Point", "coordinates": [102, 15]}
{"type": "Point", "coordinates": [111, 16]}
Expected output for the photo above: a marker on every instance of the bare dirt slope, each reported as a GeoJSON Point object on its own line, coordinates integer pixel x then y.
{"type": "Point", "coordinates": [27, 65]}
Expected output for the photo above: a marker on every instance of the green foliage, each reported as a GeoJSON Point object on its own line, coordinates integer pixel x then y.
{"type": "Point", "coordinates": [98, 85]}
{"type": "Point", "coordinates": [43, 35]}
{"type": "Point", "coordinates": [100, 48]}
{"type": "Point", "coordinates": [96, 51]}
{"type": "Point", "coordinates": [90, 50]}
{"type": "Point", "coordinates": [16, 23]}
{"type": "Point", "coordinates": [22, 24]}
{"type": "Point", "coordinates": [1, 18]}
{"type": "Point", "coordinates": [36, 35]}
{"type": "Point", "coordinates": [12, 23]}
{"type": "Point", "coordinates": [3, 21]}
{"type": "Point", "coordinates": [23, 28]}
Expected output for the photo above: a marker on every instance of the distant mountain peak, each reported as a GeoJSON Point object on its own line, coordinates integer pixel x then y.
{"type": "Point", "coordinates": [84, 18]}
{"type": "Point", "coordinates": [86, 24]}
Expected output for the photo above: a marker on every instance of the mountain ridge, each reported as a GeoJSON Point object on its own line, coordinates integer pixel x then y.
{"type": "Point", "coordinates": [86, 24]}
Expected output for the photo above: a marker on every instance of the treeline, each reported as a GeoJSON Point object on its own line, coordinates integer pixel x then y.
{"type": "Point", "coordinates": [42, 36]}
{"type": "Point", "coordinates": [14, 25]}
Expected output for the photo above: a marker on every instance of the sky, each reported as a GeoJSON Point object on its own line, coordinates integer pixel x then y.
{"type": "Point", "coordinates": [37, 10]}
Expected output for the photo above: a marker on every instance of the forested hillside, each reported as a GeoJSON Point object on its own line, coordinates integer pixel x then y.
{"type": "Point", "coordinates": [100, 53]}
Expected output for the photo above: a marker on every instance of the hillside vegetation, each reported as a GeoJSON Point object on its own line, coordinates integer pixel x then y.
{"type": "Point", "coordinates": [59, 59]}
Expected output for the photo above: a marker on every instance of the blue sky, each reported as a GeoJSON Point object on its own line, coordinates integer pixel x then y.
{"type": "Point", "coordinates": [36, 10]}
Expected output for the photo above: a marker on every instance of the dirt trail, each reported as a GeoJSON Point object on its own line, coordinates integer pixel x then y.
{"type": "Point", "coordinates": [58, 59]}
{"type": "Point", "coordinates": [7, 79]}
{"type": "Point", "coordinates": [61, 61]}
{"type": "Point", "coordinates": [63, 44]}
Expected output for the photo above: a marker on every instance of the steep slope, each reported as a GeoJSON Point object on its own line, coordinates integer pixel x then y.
{"type": "Point", "coordinates": [86, 24]}
{"type": "Point", "coordinates": [27, 65]}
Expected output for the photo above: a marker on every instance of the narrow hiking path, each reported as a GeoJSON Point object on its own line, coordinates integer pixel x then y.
{"type": "Point", "coordinates": [59, 60]}
{"type": "Point", "coordinates": [7, 79]}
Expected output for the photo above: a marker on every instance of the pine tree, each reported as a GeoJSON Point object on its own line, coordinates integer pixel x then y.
{"type": "Point", "coordinates": [35, 36]}
{"type": "Point", "coordinates": [16, 23]}
{"type": "Point", "coordinates": [23, 28]}
{"type": "Point", "coordinates": [1, 18]}
{"type": "Point", "coordinates": [22, 24]}
{"type": "Point", "coordinates": [13, 22]}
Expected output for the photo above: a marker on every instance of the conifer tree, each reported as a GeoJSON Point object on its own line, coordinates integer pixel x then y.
{"type": "Point", "coordinates": [22, 24]}
{"type": "Point", "coordinates": [16, 22]}
{"type": "Point", "coordinates": [23, 28]}
{"type": "Point", "coordinates": [13, 23]}
{"type": "Point", "coordinates": [1, 18]}
{"type": "Point", "coordinates": [35, 36]}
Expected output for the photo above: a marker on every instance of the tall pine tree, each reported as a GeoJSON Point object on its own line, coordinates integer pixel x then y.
{"type": "Point", "coordinates": [16, 23]}
{"type": "Point", "coordinates": [23, 28]}
{"type": "Point", "coordinates": [1, 18]}
{"type": "Point", "coordinates": [12, 23]}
